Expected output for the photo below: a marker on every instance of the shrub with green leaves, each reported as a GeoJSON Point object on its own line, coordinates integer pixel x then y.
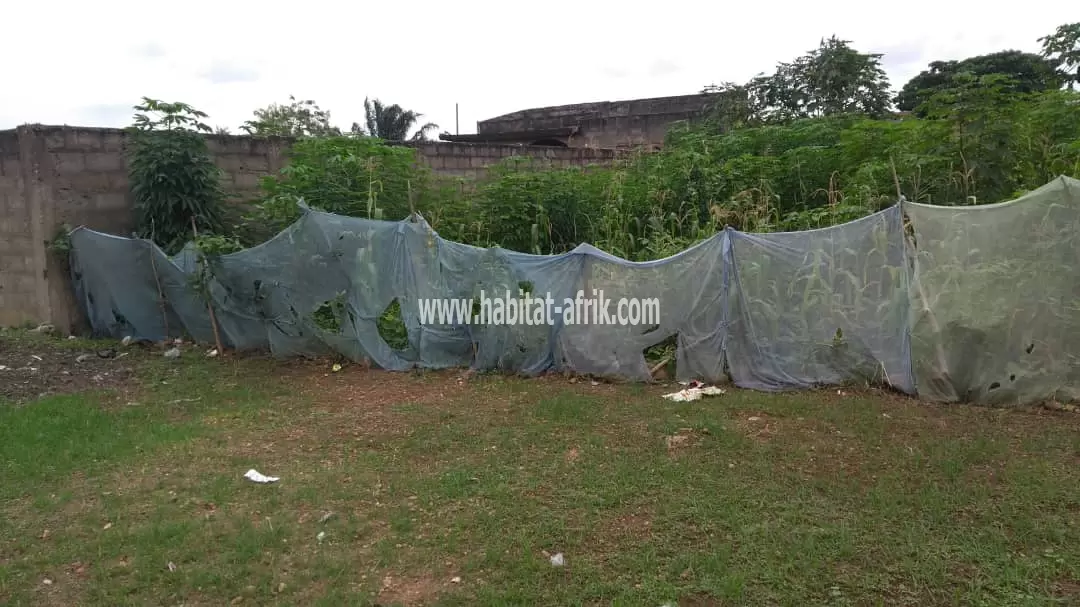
{"type": "Point", "coordinates": [173, 178]}
{"type": "Point", "coordinates": [348, 175]}
{"type": "Point", "coordinates": [981, 143]}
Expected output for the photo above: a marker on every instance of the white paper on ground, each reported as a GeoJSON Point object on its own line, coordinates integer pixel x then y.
{"type": "Point", "coordinates": [690, 394]}
{"type": "Point", "coordinates": [258, 477]}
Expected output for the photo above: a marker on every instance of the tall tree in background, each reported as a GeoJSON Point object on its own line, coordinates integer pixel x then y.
{"type": "Point", "coordinates": [391, 122]}
{"type": "Point", "coordinates": [1026, 73]}
{"type": "Point", "coordinates": [829, 80]}
{"type": "Point", "coordinates": [1062, 49]}
{"type": "Point", "coordinates": [297, 119]}
{"type": "Point", "coordinates": [735, 106]}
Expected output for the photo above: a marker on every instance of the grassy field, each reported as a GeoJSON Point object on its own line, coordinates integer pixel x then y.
{"type": "Point", "coordinates": [454, 489]}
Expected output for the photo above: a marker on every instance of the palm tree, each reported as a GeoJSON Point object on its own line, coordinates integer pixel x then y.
{"type": "Point", "coordinates": [391, 122]}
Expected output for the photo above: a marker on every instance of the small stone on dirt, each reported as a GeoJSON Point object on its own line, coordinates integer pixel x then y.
{"type": "Point", "coordinates": [47, 582]}
{"type": "Point", "coordinates": [281, 587]}
{"type": "Point", "coordinates": [455, 580]}
{"type": "Point", "coordinates": [753, 419]}
{"type": "Point", "coordinates": [83, 358]}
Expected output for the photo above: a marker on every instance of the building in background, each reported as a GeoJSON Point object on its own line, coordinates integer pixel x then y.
{"type": "Point", "coordinates": [604, 124]}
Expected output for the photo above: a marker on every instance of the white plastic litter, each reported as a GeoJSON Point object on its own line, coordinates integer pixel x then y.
{"type": "Point", "coordinates": [320, 537]}
{"type": "Point", "coordinates": [558, 560]}
{"type": "Point", "coordinates": [172, 353]}
{"type": "Point", "coordinates": [211, 353]}
{"type": "Point", "coordinates": [695, 391]}
{"type": "Point", "coordinates": [127, 340]}
{"type": "Point", "coordinates": [258, 477]}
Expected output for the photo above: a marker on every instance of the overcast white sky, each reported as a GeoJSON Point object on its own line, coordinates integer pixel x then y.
{"type": "Point", "coordinates": [86, 63]}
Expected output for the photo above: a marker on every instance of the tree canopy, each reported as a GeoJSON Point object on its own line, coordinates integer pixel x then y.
{"type": "Point", "coordinates": [391, 122]}
{"type": "Point", "coordinates": [830, 80]}
{"type": "Point", "coordinates": [1026, 73]}
{"type": "Point", "coordinates": [297, 119]}
{"type": "Point", "coordinates": [1062, 49]}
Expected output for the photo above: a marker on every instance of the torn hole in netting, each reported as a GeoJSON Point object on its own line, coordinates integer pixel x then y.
{"type": "Point", "coordinates": [330, 315]}
{"type": "Point", "coordinates": [661, 357]}
{"type": "Point", "coordinates": [391, 326]}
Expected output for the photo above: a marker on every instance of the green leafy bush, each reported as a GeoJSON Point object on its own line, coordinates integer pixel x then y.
{"type": "Point", "coordinates": [981, 143]}
{"type": "Point", "coordinates": [173, 178]}
{"type": "Point", "coordinates": [356, 176]}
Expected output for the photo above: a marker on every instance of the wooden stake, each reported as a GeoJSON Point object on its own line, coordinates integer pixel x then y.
{"type": "Point", "coordinates": [659, 365]}
{"type": "Point", "coordinates": [161, 294]}
{"type": "Point", "coordinates": [209, 305]}
{"type": "Point", "coordinates": [939, 349]}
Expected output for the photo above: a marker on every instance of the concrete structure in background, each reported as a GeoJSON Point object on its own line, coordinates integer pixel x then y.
{"type": "Point", "coordinates": [605, 124]}
{"type": "Point", "coordinates": [56, 175]}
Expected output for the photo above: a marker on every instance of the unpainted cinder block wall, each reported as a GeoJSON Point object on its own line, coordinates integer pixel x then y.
{"type": "Point", "coordinates": [51, 176]}
{"type": "Point", "coordinates": [56, 175]}
{"type": "Point", "coordinates": [20, 269]}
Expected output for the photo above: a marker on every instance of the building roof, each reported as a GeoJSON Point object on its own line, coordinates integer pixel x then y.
{"type": "Point", "coordinates": [606, 109]}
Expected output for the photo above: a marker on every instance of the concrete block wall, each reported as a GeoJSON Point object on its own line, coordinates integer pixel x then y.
{"type": "Point", "coordinates": [56, 175]}
{"type": "Point", "coordinates": [472, 160]}
{"type": "Point", "coordinates": [19, 267]}
{"type": "Point", "coordinates": [52, 175]}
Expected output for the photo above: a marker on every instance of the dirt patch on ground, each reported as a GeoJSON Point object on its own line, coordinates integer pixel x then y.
{"type": "Point", "coordinates": [634, 525]}
{"type": "Point", "coordinates": [31, 369]}
{"type": "Point", "coordinates": [408, 591]}
{"type": "Point", "coordinates": [683, 439]}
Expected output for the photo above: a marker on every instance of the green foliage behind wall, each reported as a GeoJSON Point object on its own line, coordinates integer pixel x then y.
{"type": "Point", "coordinates": [982, 143]}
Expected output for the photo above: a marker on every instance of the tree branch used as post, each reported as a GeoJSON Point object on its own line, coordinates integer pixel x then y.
{"type": "Point", "coordinates": [209, 300]}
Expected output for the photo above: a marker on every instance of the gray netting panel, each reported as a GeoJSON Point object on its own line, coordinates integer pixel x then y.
{"type": "Point", "coordinates": [688, 288]}
{"type": "Point", "coordinates": [991, 313]}
{"type": "Point", "coordinates": [821, 307]}
{"type": "Point", "coordinates": [996, 298]}
{"type": "Point", "coordinates": [472, 273]}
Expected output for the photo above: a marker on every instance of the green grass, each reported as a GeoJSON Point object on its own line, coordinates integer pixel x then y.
{"type": "Point", "coordinates": [825, 499]}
